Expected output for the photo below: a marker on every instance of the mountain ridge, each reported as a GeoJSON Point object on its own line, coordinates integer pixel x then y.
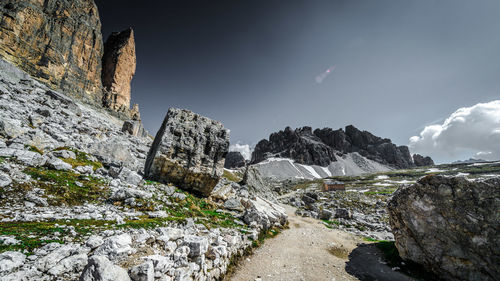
{"type": "Point", "coordinates": [322, 147]}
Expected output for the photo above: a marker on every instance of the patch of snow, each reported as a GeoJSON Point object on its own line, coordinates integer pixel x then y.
{"type": "Point", "coordinates": [382, 177]}
{"type": "Point", "coordinates": [327, 172]}
{"type": "Point", "coordinates": [382, 184]}
{"type": "Point", "coordinates": [311, 171]}
{"type": "Point", "coordinates": [434, 170]}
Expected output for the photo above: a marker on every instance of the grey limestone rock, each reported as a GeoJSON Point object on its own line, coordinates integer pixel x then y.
{"type": "Point", "coordinates": [99, 268]}
{"type": "Point", "coordinates": [450, 226]}
{"type": "Point", "coordinates": [188, 151]}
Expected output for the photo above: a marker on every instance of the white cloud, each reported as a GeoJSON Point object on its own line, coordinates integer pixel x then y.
{"type": "Point", "coordinates": [473, 129]}
{"type": "Point", "coordinates": [244, 149]}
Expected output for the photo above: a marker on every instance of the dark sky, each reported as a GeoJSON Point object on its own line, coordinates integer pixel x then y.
{"type": "Point", "coordinates": [399, 65]}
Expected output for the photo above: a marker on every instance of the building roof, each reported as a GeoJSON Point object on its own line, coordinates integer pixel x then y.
{"type": "Point", "coordinates": [332, 182]}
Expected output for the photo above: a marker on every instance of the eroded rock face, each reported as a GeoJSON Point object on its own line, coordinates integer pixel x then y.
{"type": "Point", "coordinates": [420, 160]}
{"type": "Point", "coordinates": [58, 42]}
{"type": "Point", "coordinates": [234, 159]}
{"type": "Point", "coordinates": [449, 225]}
{"type": "Point", "coordinates": [118, 69]}
{"type": "Point", "coordinates": [189, 150]}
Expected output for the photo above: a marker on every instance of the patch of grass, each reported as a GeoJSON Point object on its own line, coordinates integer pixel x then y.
{"type": "Point", "coordinates": [330, 224]}
{"type": "Point", "coordinates": [2, 159]}
{"type": "Point", "coordinates": [231, 176]}
{"type": "Point", "coordinates": [34, 149]}
{"type": "Point", "coordinates": [66, 187]}
{"type": "Point", "coordinates": [150, 182]}
{"type": "Point", "coordinates": [339, 252]}
{"type": "Point", "coordinates": [386, 191]}
{"type": "Point", "coordinates": [306, 184]}
{"type": "Point", "coordinates": [82, 158]}
{"type": "Point", "coordinates": [33, 235]}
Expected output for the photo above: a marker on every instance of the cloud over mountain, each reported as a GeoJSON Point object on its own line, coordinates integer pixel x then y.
{"type": "Point", "coordinates": [244, 149]}
{"type": "Point", "coordinates": [469, 129]}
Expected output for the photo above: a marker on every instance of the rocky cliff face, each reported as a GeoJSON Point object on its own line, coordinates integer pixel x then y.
{"type": "Point", "coordinates": [118, 69]}
{"type": "Point", "coordinates": [420, 160]}
{"type": "Point", "coordinates": [321, 146]}
{"type": "Point", "coordinates": [449, 225]}
{"type": "Point", "coordinates": [300, 144]}
{"type": "Point", "coordinates": [58, 42]}
{"type": "Point", "coordinates": [234, 159]}
{"type": "Point", "coordinates": [189, 151]}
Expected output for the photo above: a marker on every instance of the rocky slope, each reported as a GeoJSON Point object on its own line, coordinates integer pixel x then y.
{"type": "Point", "coordinates": [324, 146]}
{"type": "Point", "coordinates": [74, 203]}
{"type": "Point", "coordinates": [449, 225]}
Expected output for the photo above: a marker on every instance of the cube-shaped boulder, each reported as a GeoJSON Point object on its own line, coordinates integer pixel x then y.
{"type": "Point", "coordinates": [189, 151]}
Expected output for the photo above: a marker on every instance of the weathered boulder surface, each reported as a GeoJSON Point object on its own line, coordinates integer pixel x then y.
{"type": "Point", "coordinates": [420, 160]}
{"type": "Point", "coordinates": [118, 69]}
{"type": "Point", "coordinates": [188, 151]}
{"type": "Point", "coordinates": [234, 159]}
{"type": "Point", "coordinates": [449, 225]}
{"type": "Point", "coordinates": [58, 42]}
{"type": "Point", "coordinates": [321, 147]}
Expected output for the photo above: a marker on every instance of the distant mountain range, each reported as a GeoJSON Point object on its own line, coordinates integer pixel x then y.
{"type": "Point", "coordinates": [321, 147]}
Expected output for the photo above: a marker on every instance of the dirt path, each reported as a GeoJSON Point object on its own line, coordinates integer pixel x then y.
{"type": "Point", "coordinates": [307, 251]}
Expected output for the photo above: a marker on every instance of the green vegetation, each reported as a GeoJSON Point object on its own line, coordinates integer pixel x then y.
{"type": "Point", "coordinates": [33, 235]}
{"type": "Point", "coordinates": [34, 149]}
{"type": "Point", "coordinates": [82, 158]}
{"type": "Point", "coordinates": [231, 176]}
{"type": "Point", "coordinates": [309, 183]}
{"type": "Point", "coordinates": [66, 187]}
{"type": "Point", "coordinates": [2, 159]}
{"type": "Point", "coordinates": [330, 224]}
{"type": "Point", "coordinates": [270, 233]}
{"type": "Point", "coordinates": [386, 191]}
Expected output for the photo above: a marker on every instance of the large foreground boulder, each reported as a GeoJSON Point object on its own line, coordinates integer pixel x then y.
{"type": "Point", "coordinates": [449, 225]}
{"type": "Point", "coordinates": [188, 151]}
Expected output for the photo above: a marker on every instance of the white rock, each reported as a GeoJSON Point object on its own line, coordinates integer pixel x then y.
{"type": "Point", "coordinates": [143, 272]}
{"type": "Point", "coordinates": [11, 260]}
{"type": "Point", "coordinates": [115, 246]}
{"type": "Point", "coordinates": [197, 245]}
{"type": "Point", "coordinates": [86, 170]}
{"type": "Point", "coordinates": [4, 179]}
{"type": "Point", "coordinates": [58, 164]}
{"type": "Point", "coordinates": [94, 241]}
{"type": "Point", "coordinates": [73, 263]}
{"type": "Point", "coordinates": [99, 268]}
{"type": "Point", "coordinates": [64, 154]}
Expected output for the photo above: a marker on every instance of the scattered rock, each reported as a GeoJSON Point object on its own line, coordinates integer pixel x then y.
{"type": "Point", "coordinates": [4, 179]}
{"type": "Point", "coordinates": [11, 260]}
{"type": "Point", "coordinates": [143, 272]}
{"type": "Point", "coordinates": [99, 268]}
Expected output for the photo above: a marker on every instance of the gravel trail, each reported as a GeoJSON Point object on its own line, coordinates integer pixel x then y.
{"type": "Point", "coordinates": [306, 251]}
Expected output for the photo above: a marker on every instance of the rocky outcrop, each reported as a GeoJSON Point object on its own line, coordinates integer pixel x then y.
{"type": "Point", "coordinates": [420, 160]}
{"type": "Point", "coordinates": [321, 146]}
{"type": "Point", "coordinates": [449, 225]}
{"type": "Point", "coordinates": [299, 144]}
{"type": "Point", "coordinates": [58, 42]}
{"type": "Point", "coordinates": [118, 69]}
{"type": "Point", "coordinates": [189, 150]}
{"type": "Point", "coordinates": [234, 159]}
